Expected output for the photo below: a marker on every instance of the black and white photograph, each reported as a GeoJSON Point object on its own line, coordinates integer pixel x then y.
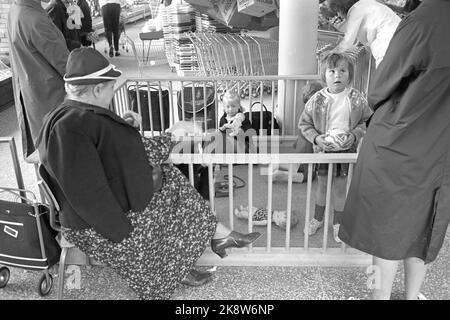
{"type": "Point", "coordinates": [224, 158]}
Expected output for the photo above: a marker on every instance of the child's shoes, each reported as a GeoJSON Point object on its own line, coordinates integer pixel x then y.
{"type": "Point", "coordinates": [313, 226]}
{"type": "Point", "coordinates": [336, 233]}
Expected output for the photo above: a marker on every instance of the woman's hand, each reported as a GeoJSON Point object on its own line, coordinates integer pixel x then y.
{"type": "Point", "coordinates": [132, 118]}
{"type": "Point", "coordinates": [323, 144]}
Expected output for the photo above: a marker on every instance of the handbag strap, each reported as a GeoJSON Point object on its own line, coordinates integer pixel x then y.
{"type": "Point", "coordinates": [145, 87]}
{"type": "Point", "coordinates": [239, 184]}
{"type": "Point", "coordinates": [256, 102]}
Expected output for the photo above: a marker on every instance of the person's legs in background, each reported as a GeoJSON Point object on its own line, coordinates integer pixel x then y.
{"type": "Point", "coordinates": [386, 270]}
{"type": "Point", "coordinates": [108, 25]}
{"type": "Point", "coordinates": [115, 16]}
{"type": "Point", "coordinates": [415, 271]}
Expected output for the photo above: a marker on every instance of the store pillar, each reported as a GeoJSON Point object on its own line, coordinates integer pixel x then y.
{"type": "Point", "coordinates": [296, 56]}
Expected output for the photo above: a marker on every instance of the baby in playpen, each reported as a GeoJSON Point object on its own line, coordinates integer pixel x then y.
{"type": "Point", "coordinates": [334, 122]}
{"type": "Point", "coordinates": [233, 124]}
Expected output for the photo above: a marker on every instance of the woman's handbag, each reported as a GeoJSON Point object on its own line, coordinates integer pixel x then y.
{"type": "Point", "coordinates": [255, 119]}
{"type": "Point", "coordinates": [154, 104]}
{"type": "Point", "coordinates": [204, 96]}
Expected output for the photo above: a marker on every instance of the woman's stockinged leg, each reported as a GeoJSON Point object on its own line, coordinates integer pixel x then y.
{"type": "Point", "coordinates": [385, 271]}
{"type": "Point", "coordinates": [415, 271]}
{"type": "Point", "coordinates": [221, 231]}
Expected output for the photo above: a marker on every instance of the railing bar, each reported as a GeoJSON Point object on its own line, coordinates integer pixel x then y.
{"type": "Point", "coordinates": [269, 207]}
{"type": "Point", "coordinates": [161, 107]}
{"type": "Point", "coordinates": [283, 130]}
{"type": "Point", "coordinates": [308, 205]}
{"type": "Point", "coordinates": [327, 206]}
{"type": "Point", "coordinates": [232, 78]}
{"type": "Point", "coordinates": [141, 127]}
{"type": "Point", "coordinates": [250, 201]}
{"type": "Point", "coordinates": [273, 108]}
{"type": "Point", "coordinates": [230, 195]}
{"type": "Point", "coordinates": [261, 101]}
{"type": "Point", "coordinates": [211, 187]}
{"type": "Point", "coordinates": [193, 102]}
{"type": "Point", "coordinates": [205, 113]}
{"type": "Point", "coordinates": [295, 105]}
{"type": "Point", "coordinates": [182, 100]}
{"type": "Point", "coordinates": [172, 110]}
{"type": "Point", "coordinates": [150, 108]}
{"type": "Point", "coordinates": [216, 105]}
{"type": "Point", "coordinates": [191, 173]}
{"type": "Point", "coordinates": [289, 207]}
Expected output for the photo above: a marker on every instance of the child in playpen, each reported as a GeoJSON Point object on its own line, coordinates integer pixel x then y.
{"type": "Point", "coordinates": [233, 124]}
{"type": "Point", "coordinates": [334, 122]}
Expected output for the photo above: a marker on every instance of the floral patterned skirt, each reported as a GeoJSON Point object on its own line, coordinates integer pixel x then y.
{"type": "Point", "coordinates": [168, 238]}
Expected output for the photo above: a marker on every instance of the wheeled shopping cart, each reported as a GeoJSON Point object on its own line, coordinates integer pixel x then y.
{"type": "Point", "coordinates": [26, 238]}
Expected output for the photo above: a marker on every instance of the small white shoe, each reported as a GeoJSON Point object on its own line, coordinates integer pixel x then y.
{"type": "Point", "coordinates": [313, 226]}
{"type": "Point", "coordinates": [420, 296]}
{"type": "Point", "coordinates": [336, 233]}
{"type": "Point", "coordinates": [283, 176]}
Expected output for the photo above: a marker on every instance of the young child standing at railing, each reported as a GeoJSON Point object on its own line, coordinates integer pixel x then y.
{"type": "Point", "coordinates": [334, 122]}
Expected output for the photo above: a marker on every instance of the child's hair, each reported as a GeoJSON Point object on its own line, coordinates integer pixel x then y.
{"type": "Point", "coordinates": [310, 89]}
{"type": "Point", "coordinates": [331, 61]}
{"type": "Point", "coordinates": [231, 96]}
{"type": "Point", "coordinates": [342, 6]}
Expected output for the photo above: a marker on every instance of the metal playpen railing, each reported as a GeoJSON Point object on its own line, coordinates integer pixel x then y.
{"type": "Point", "coordinates": [296, 247]}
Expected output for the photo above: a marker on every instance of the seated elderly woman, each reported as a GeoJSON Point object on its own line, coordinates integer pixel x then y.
{"type": "Point", "coordinates": [150, 230]}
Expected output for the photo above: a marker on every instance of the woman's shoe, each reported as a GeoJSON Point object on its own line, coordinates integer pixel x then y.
{"type": "Point", "coordinates": [233, 240]}
{"type": "Point", "coordinates": [111, 52]}
{"type": "Point", "coordinates": [117, 53]}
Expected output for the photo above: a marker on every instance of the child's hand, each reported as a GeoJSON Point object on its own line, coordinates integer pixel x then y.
{"type": "Point", "coordinates": [323, 144]}
{"type": "Point", "coordinates": [349, 141]}
{"type": "Point", "coordinates": [132, 118]}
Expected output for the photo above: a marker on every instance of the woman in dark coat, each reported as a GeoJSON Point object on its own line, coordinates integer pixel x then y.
{"type": "Point", "coordinates": [398, 204]}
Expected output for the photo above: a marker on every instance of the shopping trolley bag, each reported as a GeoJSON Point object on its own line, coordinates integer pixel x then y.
{"type": "Point", "coordinates": [203, 96]}
{"type": "Point", "coordinates": [154, 106]}
{"type": "Point", "coordinates": [19, 236]}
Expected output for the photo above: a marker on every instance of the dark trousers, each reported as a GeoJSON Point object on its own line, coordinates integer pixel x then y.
{"type": "Point", "coordinates": [111, 19]}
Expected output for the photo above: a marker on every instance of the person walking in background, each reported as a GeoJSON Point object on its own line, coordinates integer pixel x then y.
{"type": "Point", "coordinates": [111, 22]}
{"type": "Point", "coordinates": [336, 108]}
{"type": "Point", "coordinates": [368, 21]}
{"type": "Point", "coordinates": [398, 204]}
{"type": "Point", "coordinates": [38, 54]}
